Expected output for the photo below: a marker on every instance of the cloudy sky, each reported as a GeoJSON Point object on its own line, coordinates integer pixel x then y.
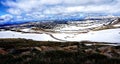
{"type": "Point", "coordinates": [27, 10]}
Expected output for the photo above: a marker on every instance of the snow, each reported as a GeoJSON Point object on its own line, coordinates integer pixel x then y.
{"type": "Point", "coordinates": [74, 28]}
{"type": "Point", "coordinates": [27, 30]}
{"type": "Point", "coordinates": [38, 37]}
{"type": "Point", "coordinates": [109, 35]}
{"type": "Point", "coordinates": [117, 25]}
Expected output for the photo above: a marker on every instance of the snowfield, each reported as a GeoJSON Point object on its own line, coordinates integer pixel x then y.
{"type": "Point", "coordinates": [27, 30]}
{"type": "Point", "coordinates": [109, 35]}
{"type": "Point", "coordinates": [38, 37]}
{"type": "Point", "coordinates": [77, 28]}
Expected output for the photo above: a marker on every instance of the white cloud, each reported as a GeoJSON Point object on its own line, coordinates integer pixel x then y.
{"type": "Point", "coordinates": [87, 2]}
{"type": "Point", "coordinates": [14, 11]}
{"type": "Point", "coordinates": [40, 8]}
{"type": "Point", "coordinates": [28, 6]}
{"type": "Point", "coordinates": [6, 17]}
{"type": "Point", "coordinates": [91, 8]}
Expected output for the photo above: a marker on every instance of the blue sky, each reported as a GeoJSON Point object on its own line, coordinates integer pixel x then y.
{"type": "Point", "coordinates": [28, 10]}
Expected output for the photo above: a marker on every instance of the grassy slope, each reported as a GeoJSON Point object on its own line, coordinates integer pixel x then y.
{"type": "Point", "coordinates": [52, 57]}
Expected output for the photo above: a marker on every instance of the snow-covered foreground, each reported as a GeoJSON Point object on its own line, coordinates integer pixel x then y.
{"type": "Point", "coordinates": [109, 35]}
{"type": "Point", "coordinates": [38, 37]}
